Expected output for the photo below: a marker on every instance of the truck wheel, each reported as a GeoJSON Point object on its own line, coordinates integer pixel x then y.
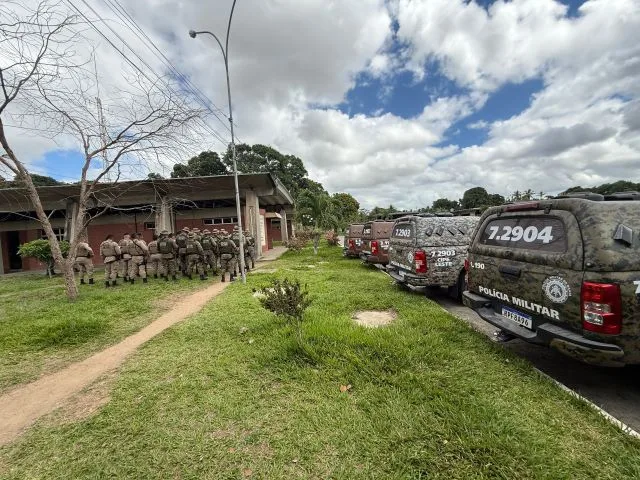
{"type": "Point", "coordinates": [461, 285]}
{"type": "Point", "coordinates": [402, 286]}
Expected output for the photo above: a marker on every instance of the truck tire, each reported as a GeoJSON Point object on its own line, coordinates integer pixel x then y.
{"type": "Point", "coordinates": [455, 291]}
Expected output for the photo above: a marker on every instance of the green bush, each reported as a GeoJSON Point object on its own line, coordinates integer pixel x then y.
{"type": "Point", "coordinates": [287, 300]}
{"type": "Point", "coordinates": [41, 251]}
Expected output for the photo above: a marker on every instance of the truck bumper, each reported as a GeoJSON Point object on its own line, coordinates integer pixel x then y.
{"type": "Point", "coordinates": [407, 278]}
{"type": "Point", "coordinates": [566, 341]}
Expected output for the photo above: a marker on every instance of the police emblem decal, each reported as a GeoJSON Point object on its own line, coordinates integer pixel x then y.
{"type": "Point", "coordinates": [556, 289]}
{"type": "Point", "coordinates": [410, 257]}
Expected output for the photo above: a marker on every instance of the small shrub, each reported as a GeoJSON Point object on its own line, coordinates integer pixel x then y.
{"type": "Point", "coordinates": [296, 243]}
{"type": "Point", "coordinates": [289, 301]}
{"type": "Point", "coordinates": [41, 251]}
{"type": "Point", "coordinates": [304, 234]}
{"type": "Point", "coordinates": [331, 238]}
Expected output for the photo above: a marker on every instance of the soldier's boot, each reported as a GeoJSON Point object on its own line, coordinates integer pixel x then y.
{"type": "Point", "coordinates": [132, 281]}
{"type": "Point", "coordinates": [113, 283]}
{"type": "Point", "coordinates": [175, 279]}
{"type": "Point", "coordinates": [253, 263]}
{"type": "Point", "coordinates": [223, 278]}
{"type": "Point", "coordinates": [106, 283]}
{"type": "Point", "coordinates": [82, 281]}
{"type": "Point", "coordinates": [155, 275]}
{"type": "Point", "coordinates": [166, 278]}
{"type": "Point", "coordinates": [91, 281]}
{"type": "Point", "coordinates": [232, 278]}
{"type": "Point", "coordinates": [144, 280]}
{"type": "Point", "coordinates": [202, 277]}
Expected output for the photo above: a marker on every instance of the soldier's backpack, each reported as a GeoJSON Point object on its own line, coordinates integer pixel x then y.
{"type": "Point", "coordinates": [191, 247]}
{"type": "Point", "coordinates": [181, 240]}
{"type": "Point", "coordinates": [124, 246]}
{"type": "Point", "coordinates": [165, 246]}
{"type": "Point", "coordinates": [107, 249]}
{"type": "Point", "coordinates": [207, 243]}
{"type": "Point", "coordinates": [153, 248]}
{"type": "Point", "coordinates": [225, 246]}
{"type": "Point", "coordinates": [82, 251]}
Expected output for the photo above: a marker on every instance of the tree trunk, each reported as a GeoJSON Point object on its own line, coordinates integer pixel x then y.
{"type": "Point", "coordinates": [316, 242]}
{"type": "Point", "coordinates": [70, 279]}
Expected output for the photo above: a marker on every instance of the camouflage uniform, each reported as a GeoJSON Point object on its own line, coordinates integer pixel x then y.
{"type": "Point", "coordinates": [110, 252]}
{"type": "Point", "coordinates": [168, 248]}
{"type": "Point", "coordinates": [155, 258]}
{"type": "Point", "coordinates": [83, 263]}
{"type": "Point", "coordinates": [125, 259]}
{"type": "Point", "coordinates": [250, 249]}
{"type": "Point", "coordinates": [209, 246]}
{"type": "Point", "coordinates": [181, 241]}
{"type": "Point", "coordinates": [137, 265]}
{"type": "Point", "coordinates": [194, 253]}
{"type": "Point", "coordinates": [235, 236]}
{"type": "Point", "coordinates": [228, 251]}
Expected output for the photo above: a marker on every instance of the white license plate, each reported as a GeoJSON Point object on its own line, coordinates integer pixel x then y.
{"type": "Point", "coordinates": [519, 318]}
{"type": "Point", "coordinates": [401, 273]}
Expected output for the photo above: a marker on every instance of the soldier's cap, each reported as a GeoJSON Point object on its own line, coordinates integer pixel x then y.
{"type": "Point", "coordinates": [236, 228]}
{"type": "Point", "coordinates": [195, 230]}
{"type": "Point", "coordinates": [164, 232]}
{"type": "Point", "coordinates": [206, 231]}
{"type": "Point", "coordinates": [185, 229]}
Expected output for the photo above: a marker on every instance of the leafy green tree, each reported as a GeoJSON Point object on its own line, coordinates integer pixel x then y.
{"type": "Point", "coordinates": [155, 176]}
{"type": "Point", "coordinates": [41, 251]}
{"type": "Point", "coordinates": [205, 164]}
{"type": "Point", "coordinates": [265, 159]}
{"type": "Point", "coordinates": [444, 204]}
{"type": "Point", "coordinates": [38, 181]}
{"type": "Point", "coordinates": [316, 210]}
{"type": "Point", "coordinates": [346, 208]}
{"type": "Point", "coordinates": [528, 194]}
{"type": "Point", "coordinates": [475, 198]}
{"type": "Point", "coordinates": [495, 199]}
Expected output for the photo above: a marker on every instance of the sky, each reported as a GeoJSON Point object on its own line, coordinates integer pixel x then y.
{"type": "Point", "coordinates": [396, 101]}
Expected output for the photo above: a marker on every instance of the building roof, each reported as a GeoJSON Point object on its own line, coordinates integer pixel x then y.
{"type": "Point", "coordinates": [269, 190]}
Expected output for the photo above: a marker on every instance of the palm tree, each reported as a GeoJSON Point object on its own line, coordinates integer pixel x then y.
{"type": "Point", "coordinates": [528, 194]}
{"type": "Point", "coordinates": [316, 210]}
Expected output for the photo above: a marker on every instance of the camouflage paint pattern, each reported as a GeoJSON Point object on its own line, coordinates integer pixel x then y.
{"type": "Point", "coordinates": [445, 241]}
{"type": "Point", "coordinates": [379, 231]}
{"type": "Point", "coordinates": [353, 240]}
{"type": "Point", "coordinates": [591, 254]}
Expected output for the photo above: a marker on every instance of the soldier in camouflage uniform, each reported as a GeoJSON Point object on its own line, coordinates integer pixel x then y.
{"type": "Point", "coordinates": [83, 262]}
{"type": "Point", "coordinates": [250, 252]}
{"type": "Point", "coordinates": [235, 236]}
{"type": "Point", "coordinates": [110, 253]}
{"type": "Point", "coordinates": [209, 246]}
{"type": "Point", "coordinates": [125, 258]}
{"type": "Point", "coordinates": [168, 249]}
{"type": "Point", "coordinates": [139, 251]}
{"type": "Point", "coordinates": [194, 254]}
{"type": "Point", "coordinates": [154, 264]}
{"type": "Point", "coordinates": [181, 240]}
{"type": "Point", "coordinates": [228, 251]}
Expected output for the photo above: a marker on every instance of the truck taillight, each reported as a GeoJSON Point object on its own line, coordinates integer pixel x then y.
{"type": "Point", "coordinates": [374, 248]}
{"type": "Point", "coordinates": [466, 264]}
{"type": "Point", "coordinates": [601, 306]}
{"type": "Point", "coordinates": [420, 260]}
{"type": "Point", "coordinates": [352, 245]}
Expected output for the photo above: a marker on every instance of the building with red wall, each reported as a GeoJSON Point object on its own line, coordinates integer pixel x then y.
{"type": "Point", "coordinates": [145, 206]}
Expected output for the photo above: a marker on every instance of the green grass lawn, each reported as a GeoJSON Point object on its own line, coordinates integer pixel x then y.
{"type": "Point", "coordinates": [227, 394]}
{"type": "Point", "coordinates": [41, 331]}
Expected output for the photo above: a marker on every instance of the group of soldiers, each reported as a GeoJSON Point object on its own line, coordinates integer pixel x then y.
{"type": "Point", "coordinates": [189, 252]}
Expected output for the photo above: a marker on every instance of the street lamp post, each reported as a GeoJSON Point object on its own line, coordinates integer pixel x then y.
{"type": "Point", "coordinates": [225, 55]}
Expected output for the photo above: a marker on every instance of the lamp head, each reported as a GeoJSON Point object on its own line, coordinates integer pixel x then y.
{"type": "Point", "coordinates": [192, 33]}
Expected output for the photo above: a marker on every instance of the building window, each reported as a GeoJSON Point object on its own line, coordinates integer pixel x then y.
{"type": "Point", "coordinates": [149, 225]}
{"type": "Point", "coordinates": [59, 232]}
{"type": "Point", "coordinates": [218, 221]}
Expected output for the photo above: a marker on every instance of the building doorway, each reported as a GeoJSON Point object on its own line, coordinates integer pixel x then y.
{"type": "Point", "coordinates": [13, 243]}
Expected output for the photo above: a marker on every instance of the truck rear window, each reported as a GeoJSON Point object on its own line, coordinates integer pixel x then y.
{"type": "Point", "coordinates": [403, 230]}
{"type": "Point", "coordinates": [366, 231]}
{"type": "Point", "coordinates": [530, 233]}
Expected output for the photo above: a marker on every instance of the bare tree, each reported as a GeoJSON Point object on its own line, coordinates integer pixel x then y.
{"type": "Point", "coordinates": [45, 82]}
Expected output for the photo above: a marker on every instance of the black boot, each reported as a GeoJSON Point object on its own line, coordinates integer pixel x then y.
{"type": "Point", "coordinates": [91, 281]}
{"type": "Point", "coordinates": [166, 278]}
{"type": "Point", "coordinates": [202, 277]}
{"type": "Point", "coordinates": [106, 283]}
{"type": "Point", "coordinates": [175, 279]}
{"type": "Point", "coordinates": [82, 281]}
{"type": "Point", "coordinates": [144, 280]}
{"type": "Point", "coordinates": [233, 278]}
{"type": "Point", "coordinates": [155, 275]}
{"type": "Point", "coordinates": [223, 279]}
{"type": "Point", "coordinates": [113, 283]}
{"type": "Point", "coordinates": [132, 281]}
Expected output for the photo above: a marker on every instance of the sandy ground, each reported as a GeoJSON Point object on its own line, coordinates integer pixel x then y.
{"type": "Point", "coordinates": [25, 404]}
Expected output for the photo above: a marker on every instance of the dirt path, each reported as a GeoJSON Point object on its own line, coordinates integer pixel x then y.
{"type": "Point", "coordinates": [21, 407]}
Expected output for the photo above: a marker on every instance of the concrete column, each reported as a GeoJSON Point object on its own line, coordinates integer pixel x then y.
{"type": "Point", "coordinates": [284, 229]}
{"type": "Point", "coordinates": [164, 216]}
{"type": "Point", "coordinates": [252, 213]}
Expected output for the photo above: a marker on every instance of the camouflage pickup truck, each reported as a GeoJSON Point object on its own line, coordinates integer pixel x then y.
{"type": "Point", "coordinates": [429, 250]}
{"type": "Point", "coordinates": [564, 273]}
{"type": "Point", "coordinates": [375, 242]}
{"type": "Point", "coordinates": [353, 240]}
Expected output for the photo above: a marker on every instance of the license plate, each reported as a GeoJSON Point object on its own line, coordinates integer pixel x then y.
{"type": "Point", "coordinates": [519, 318]}
{"type": "Point", "coordinates": [401, 273]}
